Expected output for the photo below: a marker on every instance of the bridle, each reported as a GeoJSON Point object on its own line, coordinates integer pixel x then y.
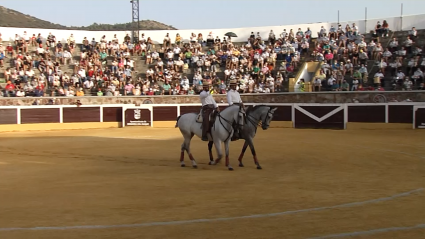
{"type": "Point", "coordinates": [268, 116]}
{"type": "Point", "coordinates": [262, 123]}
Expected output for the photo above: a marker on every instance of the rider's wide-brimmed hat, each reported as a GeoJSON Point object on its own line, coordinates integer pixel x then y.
{"type": "Point", "coordinates": [233, 82]}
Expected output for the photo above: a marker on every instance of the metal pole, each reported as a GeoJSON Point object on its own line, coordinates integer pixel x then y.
{"type": "Point", "coordinates": [365, 20]}
{"type": "Point", "coordinates": [132, 20]}
{"type": "Point", "coordinates": [135, 24]}
{"type": "Point", "coordinates": [338, 17]}
{"type": "Point", "coordinates": [401, 18]}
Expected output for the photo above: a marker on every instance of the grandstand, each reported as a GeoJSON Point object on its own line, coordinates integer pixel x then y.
{"type": "Point", "coordinates": [139, 73]}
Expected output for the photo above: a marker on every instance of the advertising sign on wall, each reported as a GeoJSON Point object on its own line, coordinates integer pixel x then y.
{"type": "Point", "coordinates": [137, 117]}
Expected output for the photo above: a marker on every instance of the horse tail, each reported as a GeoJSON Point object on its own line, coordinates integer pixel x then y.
{"type": "Point", "coordinates": [177, 123]}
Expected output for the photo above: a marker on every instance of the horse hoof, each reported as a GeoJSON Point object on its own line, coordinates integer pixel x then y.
{"type": "Point", "coordinates": [211, 163]}
{"type": "Point", "coordinates": [230, 169]}
{"type": "Point", "coordinates": [195, 166]}
{"type": "Point", "coordinates": [259, 167]}
{"type": "Point", "coordinates": [183, 166]}
{"type": "Point", "coordinates": [241, 165]}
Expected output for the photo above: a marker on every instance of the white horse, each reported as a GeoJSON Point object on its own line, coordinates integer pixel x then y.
{"type": "Point", "coordinates": [257, 115]}
{"type": "Point", "coordinates": [221, 131]}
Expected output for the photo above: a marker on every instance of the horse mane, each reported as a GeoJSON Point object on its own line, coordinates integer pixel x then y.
{"type": "Point", "coordinates": [254, 108]}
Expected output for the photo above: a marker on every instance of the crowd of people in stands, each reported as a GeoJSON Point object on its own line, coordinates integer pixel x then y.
{"type": "Point", "coordinates": [105, 67]}
{"type": "Point", "coordinates": [345, 55]}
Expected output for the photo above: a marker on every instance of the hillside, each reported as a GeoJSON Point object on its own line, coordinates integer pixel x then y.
{"type": "Point", "coordinates": [12, 18]}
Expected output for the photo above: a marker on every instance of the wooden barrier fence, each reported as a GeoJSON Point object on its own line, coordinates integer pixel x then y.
{"type": "Point", "coordinates": [315, 116]}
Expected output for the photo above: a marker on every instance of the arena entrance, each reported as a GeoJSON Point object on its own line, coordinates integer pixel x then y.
{"type": "Point", "coordinates": [419, 117]}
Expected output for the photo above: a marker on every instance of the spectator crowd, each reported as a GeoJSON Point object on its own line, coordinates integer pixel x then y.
{"type": "Point", "coordinates": [397, 62]}
{"type": "Point", "coordinates": [44, 66]}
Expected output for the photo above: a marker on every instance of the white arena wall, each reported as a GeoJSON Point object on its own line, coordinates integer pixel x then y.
{"type": "Point", "coordinates": [396, 24]}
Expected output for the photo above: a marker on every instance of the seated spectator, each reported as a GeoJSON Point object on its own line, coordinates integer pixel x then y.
{"type": "Point", "coordinates": [67, 57]}
{"type": "Point", "coordinates": [407, 84]}
{"type": "Point", "coordinates": [128, 89]}
{"type": "Point", "coordinates": [375, 36]}
{"type": "Point", "coordinates": [9, 51]}
{"type": "Point", "coordinates": [377, 78]}
{"type": "Point", "coordinates": [10, 89]}
{"type": "Point", "coordinates": [1, 59]}
{"type": "Point", "coordinates": [345, 86]}
{"type": "Point", "coordinates": [335, 86]}
{"type": "Point", "coordinates": [167, 41]}
{"type": "Point", "coordinates": [59, 47]}
{"type": "Point", "coordinates": [80, 92]}
{"type": "Point", "coordinates": [51, 40]}
{"type": "Point", "coordinates": [385, 28]}
{"type": "Point", "coordinates": [408, 45]}
{"type": "Point", "coordinates": [413, 33]}
{"type": "Point", "coordinates": [20, 92]}
{"type": "Point", "coordinates": [418, 76]}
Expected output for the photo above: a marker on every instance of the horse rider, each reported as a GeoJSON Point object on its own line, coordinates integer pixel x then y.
{"type": "Point", "coordinates": [233, 98]}
{"type": "Point", "coordinates": [208, 106]}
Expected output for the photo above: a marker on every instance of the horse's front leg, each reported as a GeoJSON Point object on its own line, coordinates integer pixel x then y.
{"type": "Point", "coordinates": [242, 153]}
{"type": "Point", "coordinates": [210, 144]}
{"type": "Point", "coordinates": [226, 147]}
{"type": "Point", "coordinates": [254, 154]}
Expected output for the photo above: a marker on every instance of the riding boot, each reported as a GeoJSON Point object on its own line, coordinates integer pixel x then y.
{"type": "Point", "coordinates": [204, 136]}
{"type": "Point", "coordinates": [205, 129]}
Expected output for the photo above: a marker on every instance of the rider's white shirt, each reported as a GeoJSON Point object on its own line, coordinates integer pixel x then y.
{"type": "Point", "coordinates": [207, 99]}
{"type": "Point", "coordinates": [233, 97]}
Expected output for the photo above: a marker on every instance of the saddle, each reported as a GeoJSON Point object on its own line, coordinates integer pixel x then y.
{"type": "Point", "coordinates": [211, 118]}
{"type": "Point", "coordinates": [199, 118]}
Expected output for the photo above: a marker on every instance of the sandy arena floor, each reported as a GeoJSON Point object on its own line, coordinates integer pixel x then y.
{"type": "Point", "coordinates": [127, 183]}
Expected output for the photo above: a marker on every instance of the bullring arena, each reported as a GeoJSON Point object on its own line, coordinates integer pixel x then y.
{"type": "Point", "coordinates": [363, 182]}
{"type": "Point", "coordinates": [335, 164]}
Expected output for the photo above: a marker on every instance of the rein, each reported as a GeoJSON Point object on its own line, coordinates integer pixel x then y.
{"type": "Point", "coordinates": [261, 123]}
{"type": "Point", "coordinates": [221, 122]}
{"type": "Point", "coordinates": [220, 118]}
